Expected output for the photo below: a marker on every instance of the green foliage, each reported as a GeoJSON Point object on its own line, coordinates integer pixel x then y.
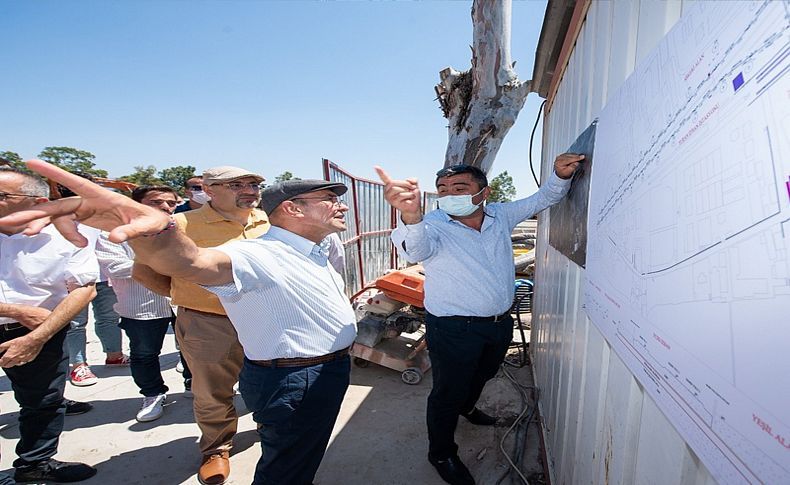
{"type": "Point", "coordinates": [143, 176]}
{"type": "Point", "coordinates": [177, 176]}
{"type": "Point", "coordinates": [13, 159]}
{"type": "Point", "coordinates": [502, 189]}
{"type": "Point", "coordinates": [285, 176]}
{"type": "Point", "coordinates": [72, 159]}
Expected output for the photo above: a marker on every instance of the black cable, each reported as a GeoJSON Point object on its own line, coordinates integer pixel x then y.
{"type": "Point", "coordinates": [531, 138]}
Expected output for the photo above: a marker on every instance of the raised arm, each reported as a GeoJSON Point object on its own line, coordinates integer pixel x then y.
{"type": "Point", "coordinates": [150, 232]}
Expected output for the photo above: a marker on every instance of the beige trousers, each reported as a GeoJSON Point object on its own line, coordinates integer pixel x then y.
{"type": "Point", "coordinates": [211, 348]}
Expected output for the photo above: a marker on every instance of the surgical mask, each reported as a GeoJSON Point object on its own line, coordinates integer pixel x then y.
{"type": "Point", "coordinates": [458, 205]}
{"type": "Point", "coordinates": [199, 197]}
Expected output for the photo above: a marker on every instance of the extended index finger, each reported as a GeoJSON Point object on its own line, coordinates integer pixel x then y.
{"type": "Point", "coordinates": [77, 184]}
{"type": "Point", "coordinates": [383, 175]}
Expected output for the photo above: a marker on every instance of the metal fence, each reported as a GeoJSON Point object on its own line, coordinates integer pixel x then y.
{"type": "Point", "coordinates": [369, 221]}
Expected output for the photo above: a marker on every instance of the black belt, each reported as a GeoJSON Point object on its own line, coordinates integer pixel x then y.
{"type": "Point", "coordinates": [302, 361]}
{"type": "Point", "coordinates": [11, 326]}
{"type": "Point", "coordinates": [473, 319]}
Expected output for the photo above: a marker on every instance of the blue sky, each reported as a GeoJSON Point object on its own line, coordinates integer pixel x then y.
{"type": "Point", "coordinates": [272, 86]}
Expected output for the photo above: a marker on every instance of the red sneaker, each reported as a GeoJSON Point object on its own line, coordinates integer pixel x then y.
{"type": "Point", "coordinates": [82, 376]}
{"type": "Point", "coordinates": [122, 361]}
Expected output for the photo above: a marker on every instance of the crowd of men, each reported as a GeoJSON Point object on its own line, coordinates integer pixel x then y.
{"type": "Point", "coordinates": [255, 276]}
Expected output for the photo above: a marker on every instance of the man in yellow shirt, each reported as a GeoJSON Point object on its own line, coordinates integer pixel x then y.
{"type": "Point", "coordinates": [207, 338]}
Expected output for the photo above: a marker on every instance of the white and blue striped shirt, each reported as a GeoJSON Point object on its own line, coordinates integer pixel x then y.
{"type": "Point", "coordinates": [134, 300]}
{"type": "Point", "coordinates": [467, 272]}
{"type": "Point", "coordinates": [285, 300]}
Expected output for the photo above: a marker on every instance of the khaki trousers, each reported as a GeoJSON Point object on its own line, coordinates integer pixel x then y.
{"type": "Point", "coordinates": [211, 348]}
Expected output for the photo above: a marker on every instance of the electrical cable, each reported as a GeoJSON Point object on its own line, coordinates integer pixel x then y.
{"type": "Point", "coordinates": [519, 449]}
{"type": "Point", "coordinates": [531, 138]}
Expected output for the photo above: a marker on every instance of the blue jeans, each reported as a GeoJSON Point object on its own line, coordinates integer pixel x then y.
{"type": "Point", "coordinates": [464, 356]}
{"type": "Point", "coordinates": [38, 388]}
{"type": "Point", "coordinates": [145, 345]}
{"type": "Point", "coordinates": [297, 408]}
{"type": "Point", "coordinates": [106, 321]}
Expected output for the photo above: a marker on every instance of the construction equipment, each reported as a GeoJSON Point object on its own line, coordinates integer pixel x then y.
{"type": "Point", "coordinates": [390, 330]}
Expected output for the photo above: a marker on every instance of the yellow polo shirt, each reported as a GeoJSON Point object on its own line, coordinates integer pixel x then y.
{"type": "Point", "coordinates": [208, 228]}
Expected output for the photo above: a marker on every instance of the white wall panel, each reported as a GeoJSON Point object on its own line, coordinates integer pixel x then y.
{"type": "Point", "coordinates": [599, 425]}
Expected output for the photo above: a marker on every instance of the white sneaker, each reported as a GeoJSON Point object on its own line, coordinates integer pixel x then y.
{"type": "Point", "coordinates": [152, 408]}
{"type": "Point", "coordinates": [180, 367]}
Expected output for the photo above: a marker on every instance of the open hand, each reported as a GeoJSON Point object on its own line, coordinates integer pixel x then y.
{"type": "Point", "coordinates": [404, 195]}
{"type": "Point", "coordinates": [97, 207]}
{"type": "Point", "coordinates": [566, 163]}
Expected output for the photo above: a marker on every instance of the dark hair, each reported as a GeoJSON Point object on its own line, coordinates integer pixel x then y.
{"type": "Point", "coordinates": [186, 180]}
{"type": "Point", "coordinates": [139, 193]}
{"type": "Point", "coordinates": [67, 192]}
{"type": "Point", "coordinates": [477, 175]}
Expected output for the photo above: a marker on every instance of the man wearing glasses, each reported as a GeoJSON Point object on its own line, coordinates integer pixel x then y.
{"type": "Point", "coordinates": [465, 249]}
{"type": "Point", "coordinates": [44, 282]}
{"type": "Point", "coordinates": [287, 302]}
{"type": "Point", "coordinates": [208, 341]}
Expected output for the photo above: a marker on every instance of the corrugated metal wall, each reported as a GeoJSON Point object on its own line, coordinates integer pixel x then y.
{"type": "Point", "coordinates": [599, 424]}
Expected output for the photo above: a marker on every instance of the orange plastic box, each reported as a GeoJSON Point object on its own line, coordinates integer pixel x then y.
{"type": "Point", "coordinates": [406, 285]}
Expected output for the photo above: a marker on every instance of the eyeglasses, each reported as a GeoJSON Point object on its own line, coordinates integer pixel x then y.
{"type": "Point", "coordinates": [195, 187]}
{"type": "Point", "coordinates": [5, 195]}
{"type": "Point", "coordinates": [238, 186]}
{"type": "Point", "coordinates": [335, 200]}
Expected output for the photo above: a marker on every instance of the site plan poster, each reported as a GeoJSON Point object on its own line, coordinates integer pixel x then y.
{"type": "Point", "coordinates": [688, 255]}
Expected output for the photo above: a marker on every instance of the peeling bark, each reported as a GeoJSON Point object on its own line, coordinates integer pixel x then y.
{"type": "Point", "coordinates": [482, 104]}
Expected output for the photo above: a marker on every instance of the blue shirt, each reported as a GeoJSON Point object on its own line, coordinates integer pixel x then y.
{"type": "Point", "coordinates": [468, 272]}
{"type": "Point", "coordinates": [286, 300]}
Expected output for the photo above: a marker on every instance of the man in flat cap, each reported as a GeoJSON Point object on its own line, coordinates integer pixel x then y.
{"type": "Point", "coordinates": [285, 300]}
{"type": "Point", "coordinates": [206, 336]}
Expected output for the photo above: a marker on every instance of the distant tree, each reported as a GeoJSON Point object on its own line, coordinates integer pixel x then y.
{"type": "Point", "coordinates": [143, 176]}
{"type": "Point", "coordinates": [72, 159]}
{"type": "Point", "coordinates": [502, 189]}
{"type": "Point", "coordinates": [13, 159]}
{"type": "Point", "coordinates": [285, 176]}
{"type": "Point", "coordinates": [177, 176]}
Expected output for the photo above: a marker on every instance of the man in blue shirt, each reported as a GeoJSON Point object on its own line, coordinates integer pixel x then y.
{"type": "Point", "coordinates": [465, 249]}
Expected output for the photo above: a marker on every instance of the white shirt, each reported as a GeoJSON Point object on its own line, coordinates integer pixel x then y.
{"type": "Point", "coordinates": [37, 270]}
{"type": "Point", "coordinates": [134, 300]}
{"type": "Point", "coordinates": [286, 300]}
{"type": "Point", "coordinates": [467, 272]}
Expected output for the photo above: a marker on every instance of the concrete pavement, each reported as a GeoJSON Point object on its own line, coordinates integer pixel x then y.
{"type": "Point", "coordinates": [380, 436]}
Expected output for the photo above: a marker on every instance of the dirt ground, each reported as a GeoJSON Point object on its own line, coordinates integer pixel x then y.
{"type": "Point", "coordinates": [379, 438]}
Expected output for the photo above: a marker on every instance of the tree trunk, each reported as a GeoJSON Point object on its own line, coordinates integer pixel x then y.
{"type": "Point", "coordinates": [483, 103]}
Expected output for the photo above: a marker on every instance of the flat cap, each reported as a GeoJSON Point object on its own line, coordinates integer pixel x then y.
{"type": "Point", "coordinates": [218, 175]}
{"type": "Point", "coordinates": [276, 194]}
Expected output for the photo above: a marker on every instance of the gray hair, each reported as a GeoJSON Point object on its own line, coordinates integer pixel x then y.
{"type": "Point", "coordinates": [32, 184]}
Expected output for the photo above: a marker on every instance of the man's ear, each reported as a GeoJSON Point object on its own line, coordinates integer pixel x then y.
{"type": "Point", "coordinates": [290, 208]}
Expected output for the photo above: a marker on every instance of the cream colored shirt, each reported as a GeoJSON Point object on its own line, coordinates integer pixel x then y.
{"type": "Point", "coordinates": [208, 229]}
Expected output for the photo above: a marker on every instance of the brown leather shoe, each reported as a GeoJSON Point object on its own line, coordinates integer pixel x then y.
{"type": "Point", "coordinates": [214, 469]}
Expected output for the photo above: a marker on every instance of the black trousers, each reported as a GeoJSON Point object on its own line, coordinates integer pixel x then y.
{"type": "Point", "coordinates": [464, 355]}
{"type": "Point", "coordinates": [296, 408]}
{"type": "Point", "coordinates": [38, 388]}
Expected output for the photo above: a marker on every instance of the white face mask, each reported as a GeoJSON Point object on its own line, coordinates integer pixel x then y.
{"type": "Point", "coordinates": [459, 205]}
{"type": "Point", "coordinates": [199, 197]}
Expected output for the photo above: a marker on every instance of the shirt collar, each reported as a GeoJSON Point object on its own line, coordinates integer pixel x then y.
{"type": "Point", "coordinates": [211, 216]}
{"type": "Point", "coordinates": [302, 245]}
